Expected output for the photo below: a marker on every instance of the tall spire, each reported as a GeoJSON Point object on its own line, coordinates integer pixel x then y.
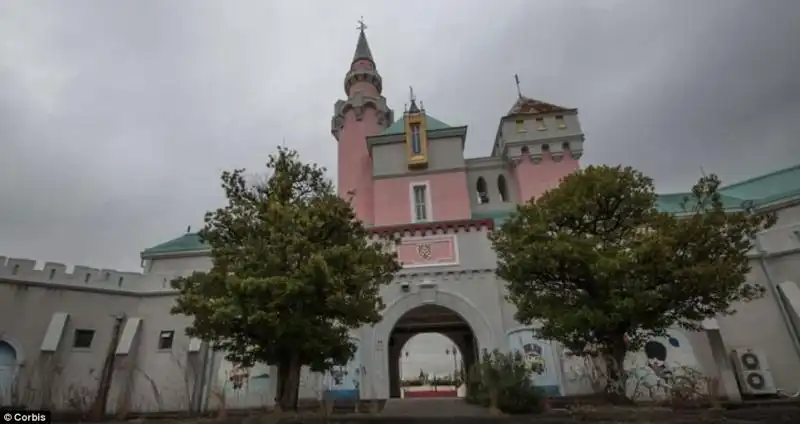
{"type": "Point", "coordinates": [362, 48]}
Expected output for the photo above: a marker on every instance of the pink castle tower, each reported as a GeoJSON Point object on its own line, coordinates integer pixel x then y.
{"type": "Point", "coordinates": [544, 142]}
{"type": "Point", "coordinates": [364, 113]}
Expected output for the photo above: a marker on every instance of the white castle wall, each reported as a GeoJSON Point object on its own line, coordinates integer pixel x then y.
{"type": "Point", "coordinates": [86, 277]}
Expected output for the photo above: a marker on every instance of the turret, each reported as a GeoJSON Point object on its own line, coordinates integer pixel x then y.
{"type": "Point", "coordinates": [543, 141]}
{"type": "Point", "coordinates": [364, 113]}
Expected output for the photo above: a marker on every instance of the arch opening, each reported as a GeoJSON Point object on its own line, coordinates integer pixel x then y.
{"type": "Point", "coordinates": [482, 191]}
{"type": "Point", "coordinates": [502, 188]}
{"type": "Point", "coordinates": [9, 360]}
{"type": "Point", "coordinates": [447, 356]}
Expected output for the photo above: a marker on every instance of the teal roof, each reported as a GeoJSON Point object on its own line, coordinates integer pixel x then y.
{"type": "Point", "coordinates": [499, 217]}
{"type": "Point", "coordinates": [399, 126]}
{"type": "Point", "coordinates": [767, 188]}
{"type": "Point", "coordinates": [672, 202]}
{"type": "Point", "coordinates": [189, 242]}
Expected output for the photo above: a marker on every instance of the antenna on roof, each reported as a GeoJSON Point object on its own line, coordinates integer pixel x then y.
{"type": "Point", "coordinates": [702, 171]}
{"type": "Point", "coordinates": [189, 229]}
{"type": "Point", "coordinates": [519, 90]}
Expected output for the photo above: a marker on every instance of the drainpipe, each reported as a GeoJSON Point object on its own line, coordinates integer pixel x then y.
{"type": "Point", "coordinates": [762, 261]}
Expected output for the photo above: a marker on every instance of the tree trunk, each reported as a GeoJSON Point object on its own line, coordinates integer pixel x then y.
{"type": "Point", "coordinates": [616, 376]}
{"type": "Point", "coordinates": [289, 383]}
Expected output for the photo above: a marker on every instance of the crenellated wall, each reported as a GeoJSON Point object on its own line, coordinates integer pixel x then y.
{"type": "Point", "coordinates": [81, 277]}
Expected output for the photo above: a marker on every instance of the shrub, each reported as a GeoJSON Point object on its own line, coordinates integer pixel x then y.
{"type": "Point", "coordinates": [511, 379]}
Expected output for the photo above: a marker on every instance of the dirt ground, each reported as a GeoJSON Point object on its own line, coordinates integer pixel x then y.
{"type": "Point", "coordinates": [765, 415]}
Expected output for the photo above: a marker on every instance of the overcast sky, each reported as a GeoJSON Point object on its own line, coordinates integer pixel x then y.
{"type": "Point", "coordinates": [116, 118]}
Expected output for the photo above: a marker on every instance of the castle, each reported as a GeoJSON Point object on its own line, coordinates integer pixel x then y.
{"type": "Point", "coordinates": [63, 333]}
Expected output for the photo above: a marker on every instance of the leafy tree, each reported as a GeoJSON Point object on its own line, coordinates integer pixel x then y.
{"type": "Point", "coordinates": [293, 272]}
{"type": "Point", "coordinates": [601, 269]}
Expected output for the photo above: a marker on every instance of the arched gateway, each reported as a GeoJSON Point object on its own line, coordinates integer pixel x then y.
{"type": "Point", "coordinates": [428, 310]}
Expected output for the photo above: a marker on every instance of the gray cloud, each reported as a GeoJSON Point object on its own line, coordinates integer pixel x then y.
{"type": "Point", "coordinates": [117, 117]}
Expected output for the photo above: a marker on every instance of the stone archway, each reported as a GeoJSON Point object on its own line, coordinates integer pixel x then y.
{"type": "Point", "coordinates": [383, 351]}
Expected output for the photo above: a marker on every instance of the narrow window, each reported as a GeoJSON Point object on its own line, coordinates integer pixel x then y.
{"type": "Point", "coordinates": [520, 126]}
{"type": "Point", "coordinates": [560, 122]}
{"type": "Point", "coordinates": [501, 187]}
{"type": "Point", "coordinates": [87, 277]}
{"type": "Point", "coordinates": [545, 147]}
{"type": "Point", "coordinates": [165, 339]}
{"type": "Point", "coordinates": [119, 283]}
{"type": "Point", "coordinates": [525, 150]}
{"type": "Point", "coordinates": [540, 124]}
{"type": "Point", "coordinates": [483, 195]}
{"type": "Point", "coordinates": [83, 338]}
{"type": "Point", "coordinates": [416, 142]}
{"type": "Point", "coordinates": [420, 198]}
{"type": "Point", "coordinates": [52, 274]}
{"type": "Point", "coordinates": [565, 146]}
{"type": "Point", "coordinates": [107, 276]}
{"type": "Point", "coordinates": [15, 269]}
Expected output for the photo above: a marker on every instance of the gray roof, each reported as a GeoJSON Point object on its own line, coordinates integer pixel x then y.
{"type": "Point", "coordinates": [362, 49]}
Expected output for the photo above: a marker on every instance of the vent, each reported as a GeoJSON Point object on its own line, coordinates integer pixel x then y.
{"type": "Point", "coordinates": [752, 372]}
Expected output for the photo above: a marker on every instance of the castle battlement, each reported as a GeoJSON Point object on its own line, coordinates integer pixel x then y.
{"type": "Point", "coordinates": [58, 274]}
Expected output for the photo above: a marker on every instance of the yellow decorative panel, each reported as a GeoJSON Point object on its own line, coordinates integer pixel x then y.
{"type": "Point", "coordinates": [416, 141]}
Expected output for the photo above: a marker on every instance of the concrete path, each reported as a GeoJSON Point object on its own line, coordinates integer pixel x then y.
{"type": "Point", "coordinates": [432, 407]}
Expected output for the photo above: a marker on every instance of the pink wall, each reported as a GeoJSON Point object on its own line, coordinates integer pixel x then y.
{"type": "Point", "coordinates": [448, 193]}
{"type": "Point", "coordinates": [355, 165]}
{"type": "Point", "coordinates": [535, 179]}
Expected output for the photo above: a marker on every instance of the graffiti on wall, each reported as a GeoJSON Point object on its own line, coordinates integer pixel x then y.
{"type": "Point", "coordinates": [541, 356]}
{"type": "Point", "coordinates": [660, 362]}
{"type": "Point", "coordinates": [244, 386]}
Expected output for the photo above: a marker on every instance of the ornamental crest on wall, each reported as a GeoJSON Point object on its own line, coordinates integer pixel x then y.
{"type": "Point", "coordinates": [424, 251]}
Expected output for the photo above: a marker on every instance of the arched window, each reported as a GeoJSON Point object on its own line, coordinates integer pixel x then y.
{"type": "Point", "coordinates": [483, 193]}
{"type": "Point", "coordinates": [502, 188]}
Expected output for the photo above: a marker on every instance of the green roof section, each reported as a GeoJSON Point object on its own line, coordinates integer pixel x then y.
{"type": "Point", "coordinates": [189, 242]}
{"type": "Point", "coordinates": [499, 217]}
{"type": "Point", "coordinates": [673, 202]}
{"type": "Point", "coordinates": [399, 126]}
{"type": "Point", "coordinates": [775, 186]}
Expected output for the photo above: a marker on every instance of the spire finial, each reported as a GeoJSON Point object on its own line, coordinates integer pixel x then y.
{"type": "Point", "coordinates": [362, 47]}
{"type": "Point", "coordinates": [519, 90]}
{"type": "Point", "coordinates": [413, 108]}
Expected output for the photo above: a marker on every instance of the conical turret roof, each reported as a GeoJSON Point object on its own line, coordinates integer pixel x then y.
{"type": "Point", "coordinates": [362, 49]}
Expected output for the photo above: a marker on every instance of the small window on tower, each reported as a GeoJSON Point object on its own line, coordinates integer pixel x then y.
{"type": "Point", "coordinates": [560, 121]}
{"type": "Point", "coordinates": [502, 188]}
{"type": "Point", "coordinates": [520, 126]}
{"type": "Point", "coordinates": [482, 191]}
{"type": "Point", "coordinates": [420, 204]}
{"type": "Point", "coordinates": [416, 141]}
{"type": "Point", "coordinates": [540, 124]}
